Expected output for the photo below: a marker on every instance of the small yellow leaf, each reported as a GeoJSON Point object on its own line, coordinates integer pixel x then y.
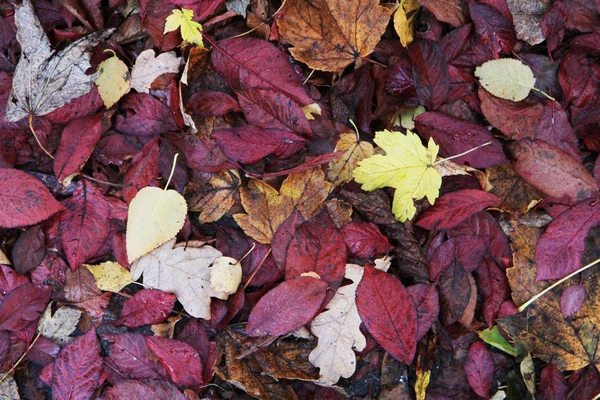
{"type": "Point", "coordinates": [403, 21]}
{"type": "Point", "coordinates": [190, 29]}
{"type": "Point", "coordinates": [226, 275]}
{"type": "Point", "coordinates": [113, 82]}
{"type": "Point", "coordinates": [311, 109]}
{"type": "Point", "coordinates": [3, 259]}
{"type": "Point", "coordinates": [155, 216]}
{"type": "Point", "coordinates": [506, 78]}
{"type": "Point", "coordinates": [110, 276]}
{"type": "Point", "coordinates": [407, 117]}
{"type": "Point", "coordinates": [407, 166]}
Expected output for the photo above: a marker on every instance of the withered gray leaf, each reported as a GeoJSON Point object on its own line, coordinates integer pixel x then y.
{"type": "Point", "coordinates": [45, 80]}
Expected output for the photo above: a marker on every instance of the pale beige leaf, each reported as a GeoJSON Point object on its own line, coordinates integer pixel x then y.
{"type": "Point", "coordinates": [155, 216]}
{"type": "Point", "coordinates": [110, 276]}
{"type": "Point", "coordinates": [59, 326]}
{"type": "Point", "coordinates": [340, 168]}
{"type": "Point", "coordinates": [183, 271]}
{"type": "Point", "coordinates": [45, 80]}
{"type": "Point", "coordinates": [338, 331]}
{"type": "Point", "coordinates": [311, 109]}
{"type": "Point", "coordinates": [226, 275]}
{"type": "Point", "coordinates": [8, 388]}
{"type": "Point", "coordinates": [506, 78]}
{"type": "Point", "coordinates": [3, 259]}
{"type": "Point", "coordinates": [148, 67]}
{"type": "Point", "coordinates": [113, 82]}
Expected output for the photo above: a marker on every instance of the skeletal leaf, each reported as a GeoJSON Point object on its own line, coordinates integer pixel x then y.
{"type": "Point", "coordinates": [59, 326]}
{"type": "Point", "coordinates": [190, 29]}
{"type": "Point", "coordinates": [338, 330]}
{"type": "Point", "coordinates": [183, 271]}
{"type": "Point", "coordinates": [155, 216]}
{"type": "Point", "coordinates": [506, 78]}
{"type": "Point", "coordinates": [148, 67]}
{"type": "Point", "coordinates": [113, 82]}
{"type": "Point", "coordinates": [44, 80]}
{"type": "Point", "coordinates": [110, 276]}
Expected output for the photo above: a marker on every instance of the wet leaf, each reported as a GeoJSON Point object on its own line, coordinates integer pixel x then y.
{"type": "Point", "coordinates": [146, 307]}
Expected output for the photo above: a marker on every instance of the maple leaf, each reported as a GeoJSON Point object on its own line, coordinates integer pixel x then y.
{"type": "Point", "coordinates": [408, 167]}
{"type": "Point", "coordinates": [45, 80]}
{"type": "Point", "coordinates": [183, 271]}
{"type": "Point", "coordinates": [190, 29]}
{"type": "Point", "coordinates": [328, 35]}
{"type": "Point", "coordinates": [338, 330]}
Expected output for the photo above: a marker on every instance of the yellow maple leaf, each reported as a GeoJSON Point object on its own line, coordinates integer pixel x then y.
{"type": "Point", "coordinates": [190, 29]}
{"type": "Point", "coordinates": [407, 166]}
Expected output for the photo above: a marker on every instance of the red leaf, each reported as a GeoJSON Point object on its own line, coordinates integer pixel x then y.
{"type": "Point", "coordinates": [249, 144]}
{"type": "Point", "coordinates": [560, 248]}
{"type": "Point", "coordinates": [479, 368]}
{"type": "Point", "coordinates": [553, 24]}
{"type": "Point", "coordinates": [450, 11]}
{"type": "Point", "coordinates": [77, 108]}
{"type": "Point", "coordinates": [453, 208]}
{"type": "Point", "coordinates": [146, 307]}
{"type": "Point", "coordinates": [145, 116]}
{"type": "Point", "coordinates": [430, 70]}
{"type": "Point", "coordinates": [468, 251]}
{"type": "Point", "coordinates": [149, 389]}
{"type": "Point", "coordinates": [581, 88]}
{"type": "Point", "coordinates": [317, 247]}
{"type": "Point", "coordinates": [287, 307]}
{"type": "Point", "coordinates": [311, 163]}
{"type": "Point", "coordinates": [29, 250]}
{"type": "Point", "coordinates": [24, 200]}
{"type": "Point", "coordinates": [364, 240]}
{"type": "Point", "coordinates": [204, 155]}
{"type": "Point", "coordinates": [551, 170]}
{"type": "Point", "coordinates": [282, 238]}
{"type": "Point", "coordinates": [553, 384]}
{"type": "Point", "coordinates": [182, 362]}
{"type": "Point", "coordinates": [388, 312]}
{"type": "Point", "coordinates": [85, 225]}
{"type": "Point", "coordinates": [143, 170]}
{"type": "Point", "coordinates": [9, 280]}
{"type": "Point", "coordinates": [427, 306]}
{"type": "Point", "coordinates": [493, 28]}
{"type": "Point", "coordinates": [455, 136]}
{"type": "Point", "coordinates": [493, 288]}
{"type": "Point", "coordinates": [77, 142]}
{"type": "Point", "coordinates": [455, 291]}
{"type": "Point", "coordinates": [21, 308]}
{"type": "Point", "coordinates": [128, 357]}
{"type": "Point", "coordinates": [211, 103]}
{"type": "Point", "coordinates": [77, 369]}
{"type": "Point", "coordinates": [571, 300]}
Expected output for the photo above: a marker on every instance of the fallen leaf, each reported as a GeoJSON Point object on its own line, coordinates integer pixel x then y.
{"type": "Point", "coordinates": [148, 67]}
{"type": "Point", "coordinates": [129, 357]}
{"type": "Point", "coordinates": [266, 209]}
{"type": "Point", "coordinates": [182, 271]}
{"type": "Point", "coordinates": [340, 169]}
{"type": "Point", "coordinates": [506, 78]}
{"type": "Point", "coordinates": [494, 338]}
{"type": "Point", "coordinates": [110, 276]}
{"type": "Point", "coordinates": [146, 307]}
{"type": "Point", "coordinates": [146, 389]}
{"type": "Point", "coordinates": [527, 17]}
{"type": "Point", "coordinates": [494, 29]}
{"type": "Point", "coordinates": [426, 300]}
{"type": "Point", "coordinates": [386, 309]}
{"type": "Point", "coordinates": [215, 196]}
{"type": "Point", "coordinates": [403, 20]}
{"type": "Point", "coordinates": [553, 384]}
{"type": "Point", "coordinates": [226, 275]}
{"type": "Point", "coordinates": [190, 29]}
{"type": "Point", "coordinates": [44, 80]}
{"type": "Point", "coordinates": [430, 72]}
{"type": "Point", "coordinates": [311, 109]}
{"type": "Point", "coordinates": [24, 200]}
{"type": "Point", "coordinates": [517, 195]}
{"type": "Point", "coordinates": [3, 259]}
{"type": "Point", "coordinates": [338, 330]}
{"type": "Point", "coordinates": [181, 361]}
{"type": "Point", "coordinates": [155, 216]}
{"type": "Point", "coordinates": [479, 368]}
{"type": "Point", "coordinates": [8, 388]}
{"type": "Point", "coordinates": [364, 240]}
{"type": "Point", "coordinates": [113, 81]}
{"type": "Point", "coordinates": [58, 326]}
{"type": "Point", "coordinates": [339, 211]}
{"type": "Point", "coordinates": [407, 167]}
{"type": "Point", "coordinates": [571, 300]}
{"type": "Point", "coordinates": [287, 307]}
{"type": "Point", "coordinates": [328, 35]}
{"type": "Point", "coordinates": [239, 6]}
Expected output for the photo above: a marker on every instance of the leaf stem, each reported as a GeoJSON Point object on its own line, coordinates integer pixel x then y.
{"type": "Point", "coordinates": [544, 93]}
{"type": "Point", "coordinates": [36, 137]}
{"type": "Point", "coordinates": [555, 284]}
{"type": "Point", "coordinates": [462, 154]}
{"type": "Point", "coordinates": [172, 170]}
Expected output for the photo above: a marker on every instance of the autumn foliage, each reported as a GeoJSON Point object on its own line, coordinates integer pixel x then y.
{"type": "Point", "coordinates": [299, 199]}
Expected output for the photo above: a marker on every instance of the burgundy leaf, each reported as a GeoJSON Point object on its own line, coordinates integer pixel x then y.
{"type": "Point", "coordinates": [149, 389]}
{"type": "Point", "coordinates": [84, 227]}
{"type": "Point", "coordinates": [9, 280]}
{"type": "Point", "coordinates": [453, 208]}
{"type": "Point", "coordinates": [287, 307]}
{"type": "Point", "coordinates": [388, 312]}
{"type": "Point", "coordinates": [24, 200]}
{"type": "Point", "coordinates": [181, 361]}
{"type": "Point", "coordinates": [212, 103]}
{"type": "Point", "coordinates": [77, 142]}
{"type": "Point", "coordinates": [571, 300]}
{"type": "Point", "coordinates": [146, 307]}
{"type": "Point", "coordinates": [144, 116]}
{"type": "Point", "coordinates": [580, 88]}
{"type": "Point", "coordinates": [77, 369]}
{"type": "Point", "coordinates": [249, 144]}
{"type": "Point", "coordinates": [430, 72]}
{"type": "Point", "coordinates": [455, 136]}
{"type": "Point", "coordinates": [143, 170]}
{"type": "Point", "coordinates": [551, 170]}
{"type": "Point", "coordinates": [21, 308]}
{"type": "Point", "coordinates": [29, 250]}
{"type": "Point", "coordinates": [317, 247]}
{"type": "Point", "coordinates": [493, 288]}
{"type": "Point", "coordinates": [455, 290]}
{"type": "Point", "coordinates": [493, 28]}
{"type": "Point", "coordinates": [553, 24]}
{"type": "Point", "coordinates": [479, 368]}
{"type": "Point", "coordinates": [560, 248]}
{"type": "Point", "coordinates": [427, 306]}
{"type": "Point", "coordinates": [553, 384]}
{"type": "Point", "coordinates": [284, 235]}
{"type": "Point", "coordinates": [129, 358]}
{"type": "Point", "coordinates": [364, 240]}
{"type": "Point", "coordinates": [399, 78]}
{"type": "Point", "coordinates": [450, 11]}
{"type": "Point", "coordinates": [468, 251]}
{"type": "Point", "coordinates": [77, 108]}
{"type": "Point", "coordinates": [515, 120]}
